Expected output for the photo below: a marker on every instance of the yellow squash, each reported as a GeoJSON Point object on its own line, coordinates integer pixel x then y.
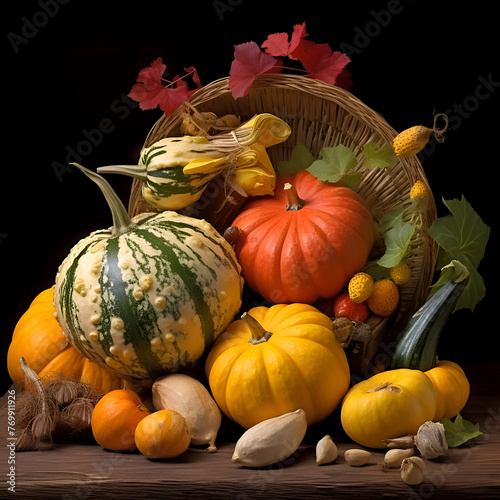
{"type": "Point", "coordinates": [387, 405]}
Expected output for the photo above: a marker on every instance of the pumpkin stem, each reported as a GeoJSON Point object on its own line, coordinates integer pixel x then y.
{"type": "Point", "coordinates": [259, 335]}
{"type": "Point", "coordinates": [386, 387]}
{"type": "Point", "coordinates": [293, 200]}
{"type": "Point", "coordinates": [121, 219]}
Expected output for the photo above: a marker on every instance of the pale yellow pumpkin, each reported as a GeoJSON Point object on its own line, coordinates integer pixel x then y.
{"type": "Point", "coordinates": [452, 386]}
{"type": "Point", "coordinates": [389, 404]}
{"type": "Point", "coordinates": [288, 358]}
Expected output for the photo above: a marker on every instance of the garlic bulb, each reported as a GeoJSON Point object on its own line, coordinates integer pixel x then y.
{"type": "Point", "coordinates": [190, 398]}
{"type": "Point", "coordinates": [271, 440]}
{"type": "Point", "coordinates": [430, 440]}
{"type": "Point", "coordinates": [412, 470]}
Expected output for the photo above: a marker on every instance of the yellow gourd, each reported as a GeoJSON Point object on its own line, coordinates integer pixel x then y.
{"type": "Point", "coordinates": [276, 360]}
{"type": "Point", "coordinates": [412, 140]}
{"type": "Point", "coordinates": [400, 273]}
{"type": "Point", "coordinates": [175, 171]}
{"type": "Point", "coordinates": [389, 404]}
{"type": "Point", "coordinates": [452, 386]}
{"type": "Point", "coordinates": [360, 287]}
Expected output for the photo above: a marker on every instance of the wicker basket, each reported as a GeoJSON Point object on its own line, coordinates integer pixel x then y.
{"type": "Point", "coordinates": [323, 115]}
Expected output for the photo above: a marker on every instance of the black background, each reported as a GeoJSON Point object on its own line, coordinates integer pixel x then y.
{"type": "Point", "coordinates": [68, 66]}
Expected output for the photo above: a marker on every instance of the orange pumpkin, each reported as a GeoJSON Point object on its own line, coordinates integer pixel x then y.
{"type": "Point", "coordinates": [305, 242]}
{"type": "Point", "coordinates": [115, 418]}
{"type": "Point", "coordinates": [39, 339]}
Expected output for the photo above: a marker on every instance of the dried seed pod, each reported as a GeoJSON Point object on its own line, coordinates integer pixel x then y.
{"type": "Point", "coordinates": [326, 451]}
{"type": "Point", "coordinates": [393, 458]}
{"type": "Point", "coordinates": [343, 329]}
{"type": "Point", "coordinates": [356, 457]}
{"type": "Point", "coordinates": [430, 440]}
{"type": "Point", "coordinates": [412, 470]}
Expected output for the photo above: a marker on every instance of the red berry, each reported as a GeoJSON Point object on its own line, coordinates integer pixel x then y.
{"type": "Point", "coordinates": [343, 306]}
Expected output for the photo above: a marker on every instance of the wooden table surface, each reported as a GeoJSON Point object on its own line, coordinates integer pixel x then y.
{"type": "Point", "coordinates": [84, 471]}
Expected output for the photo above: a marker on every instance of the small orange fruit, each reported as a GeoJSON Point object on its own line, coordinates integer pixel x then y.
{"type": "Point", "coordinates": [162, 434]}
{"type": "Point", "coordinates": [384, 299]}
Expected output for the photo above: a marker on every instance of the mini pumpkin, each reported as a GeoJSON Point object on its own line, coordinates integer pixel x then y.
{"type": "Point", "coordinates": [389, 404]}
{"type": "Point", "coordinates": [115, 418]}
{"type": "Point", "coordinates": [305, 242]}
{"type": "Point", "coordinates": [162, 434]}
{"type": "Point", "coordinates": [276, 360]}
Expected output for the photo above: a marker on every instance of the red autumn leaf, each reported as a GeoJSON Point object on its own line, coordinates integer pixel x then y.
{"type": "Point", "coordinates": [249, 62]}
{"type": "Point", "coordinates": [150, 91]}
{"type": "Point", "coordinates": [278, 45]}
{"type": "Point", "coordinates": [321, 62]}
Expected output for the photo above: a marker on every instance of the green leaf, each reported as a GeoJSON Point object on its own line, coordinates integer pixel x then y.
{"type": "Point", "coordinates": [396, 242]}
{"type": "Point", "coordinates": [460, 431]}
{"type": "Point", "coordinates": [391, 219]}
{"type": "Point", "coordinates": [375, 157]}
{"type": "Point", "coordinates": [462, 236]}
{"type": "Point", "coordinates": [301, 159]}
{"type": "Point", "coordinates": [334, 164]}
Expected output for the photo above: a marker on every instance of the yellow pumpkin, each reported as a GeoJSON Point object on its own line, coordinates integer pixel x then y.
{"type": "Point", "coordinates": [389, 404]}
{"type": "Point", "coordinates": [452, 386]}
{"type": "Point", "coordinates": [39, 339]}
{"type": "Point", "coordinates": [275, 360]}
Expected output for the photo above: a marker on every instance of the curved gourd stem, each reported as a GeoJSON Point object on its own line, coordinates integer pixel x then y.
{"type": "Point", "coordinates": [259, 334]}
{"type": "Point", "coordinates": [121, 220]}
{"type": "Point", "coordinates": [136, 171]}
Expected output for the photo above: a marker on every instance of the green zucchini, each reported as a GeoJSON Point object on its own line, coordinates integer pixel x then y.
{"type": "Point", "coordinates": [416, 345]}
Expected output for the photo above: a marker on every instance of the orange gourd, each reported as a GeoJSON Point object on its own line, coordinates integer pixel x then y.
{"type": "Point", "coordinates": [305, 242]}
{"type": "Point", "coordinates": [115, 418]}
{"type": "Point", "coordinates": [163, 434]}
{"type": "Point", "coordinates": [39, 339]}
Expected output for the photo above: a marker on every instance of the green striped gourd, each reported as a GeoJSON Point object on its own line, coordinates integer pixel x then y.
{"type": "Point", "coordinates": [149, 295]}
{"type": "Point", "coordinates": [176, 170]}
